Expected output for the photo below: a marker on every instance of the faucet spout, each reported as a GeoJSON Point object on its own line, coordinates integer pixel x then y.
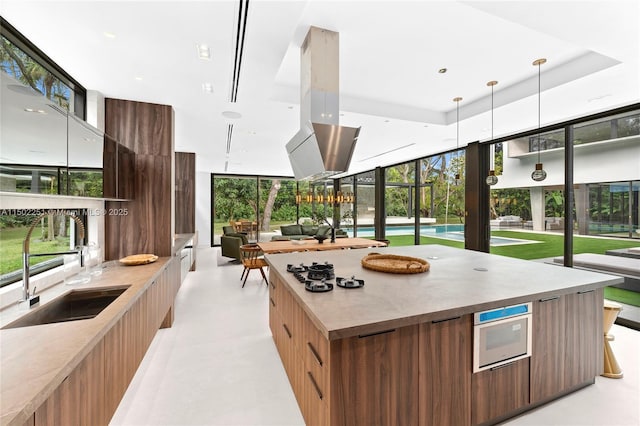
{"type": "Point", "coordinates": [26, 296]}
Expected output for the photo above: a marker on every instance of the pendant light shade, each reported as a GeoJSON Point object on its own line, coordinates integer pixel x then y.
{"type": "Point", "coordinates": [539, 174]}
{"type": "Point", "coordinates": [457, 101]}
{"type": "Point", "coordinates": [492, 179]}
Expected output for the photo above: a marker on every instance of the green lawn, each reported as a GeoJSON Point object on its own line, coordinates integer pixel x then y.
{"type": "Point", "coordinates": [11, 248]}
{"type": "Point", "coordinates": [549, 245]}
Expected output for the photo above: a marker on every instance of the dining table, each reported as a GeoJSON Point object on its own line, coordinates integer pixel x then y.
{"type": "Point", "coordinates": [290, 246]}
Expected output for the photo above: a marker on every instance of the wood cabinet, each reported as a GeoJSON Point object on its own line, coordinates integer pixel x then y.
{"type": "Point", "coordinates": [446, 349]}
{"type": "Point", "coordinates": [422, 374]}
{"type": "Point", "coordinates": [567, 343]}
{"type": "Point", "coordinates": [185, 192]}
{"type": "Point", "coordinates": [78, 400]}
{"type": "Point", "coordinates": [366, 374]}
{"type": "Point", "coordinates": [548, 341]}
{"type": "Point", "coordinates": [499, 391]}
{"type": "Point", "coordinates": [583, 352]}
{"type": "Point", "coordinates": [91, 393]}
{"type": "Point", "coordinates": [148, 226]}
{"type": "Point", "coordinates": [349, 381]}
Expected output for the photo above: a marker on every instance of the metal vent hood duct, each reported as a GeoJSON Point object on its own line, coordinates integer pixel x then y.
{"type": "Point", "coordinates": [321, 148]}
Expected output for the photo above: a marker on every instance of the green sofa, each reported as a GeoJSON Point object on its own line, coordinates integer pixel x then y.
{"type": "Point", "coordinates": [230, 241]}
{"type": "Point", "coordinates": [300, 232]}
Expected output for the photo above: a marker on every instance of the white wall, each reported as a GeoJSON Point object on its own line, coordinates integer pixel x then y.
{"type": "Point", "coordinates": [610, 161]}
{"type": "Point", "coordinates": [203, 208]}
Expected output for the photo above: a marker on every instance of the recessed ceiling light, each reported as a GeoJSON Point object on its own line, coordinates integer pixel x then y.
{"type": "Point", "coordinates": [108, 34]}
{"type": "Point", "coordinates": [386, 121]}
{"type": "Point", "coordinates": [442, 70]}
{"type": "Point", "coordinates": [37, 111]}
{"type": "Point", "coordinates": [426, 125]}
{"type": "Point", "coordinates": [138, 78]}
{"type": "Point", "coordinates": [207, 87]}
{"type": "Point", "coordinates": [204, 52]}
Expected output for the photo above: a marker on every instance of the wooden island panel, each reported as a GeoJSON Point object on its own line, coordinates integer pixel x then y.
{"type": "Point", "coordinates": [584, 332]}
{"type": "Point", "coordinates": [499, 392]}
{"type": "Point", "coordinates": [445, 371]}
{"type": "Point", "coordinates": [548, 340]}
{"type": "Point", "coordinates": [374, 380]}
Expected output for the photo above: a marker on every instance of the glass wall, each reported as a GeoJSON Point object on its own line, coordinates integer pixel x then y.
{"type": "Point", "coordinates": [235, 203]}
{"type": "Point", "coordinates": [399, 194]}
{"type": "Point", "coordinates": [256, 205]}
{"type": "Point", "coordinates": [54, 233]}
{"type": "Point", "coordinates": [527, 216]}
{"type": "Point", "coordinates": [611, 209]}
{"type": "Point", "coordinates": [365, 208]}
{"type": "Point", "coordinates": [346, 200]}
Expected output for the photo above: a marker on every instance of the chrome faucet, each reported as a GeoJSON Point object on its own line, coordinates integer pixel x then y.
{"type": "Point", "coordinates": [26, 296]}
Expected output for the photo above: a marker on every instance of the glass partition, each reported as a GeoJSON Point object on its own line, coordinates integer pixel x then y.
{"type": "Point", "coordinates": [346, 201]}
{"type": "Point", "coordinates": [277, 206]}
{"type": "Point", "coordinates": [527, 216]}
{"type": "Point", "coordinates": [235, 204]}
{"type": "Point", "coordinates": [399, 203]}
{"type": "Point", "coordinates": [365, 207]}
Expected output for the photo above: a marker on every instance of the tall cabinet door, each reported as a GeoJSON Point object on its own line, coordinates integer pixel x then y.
{"type": "Point", "coordinates": [373, 378]}
{"type": "Point", "coordinates": [584, 337]}
{"type": "Point", "coordinates": [548, 340]}
{"type": "Point", "coordinates": [445, 371]}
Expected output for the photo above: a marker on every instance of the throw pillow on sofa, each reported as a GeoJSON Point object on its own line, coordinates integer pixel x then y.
{"type": "Point", "coordinates": [309, 229]}
{"type": "Point", "coordinates": [324, 230]}
{"type": "Point", "coordinates": [290, 229]}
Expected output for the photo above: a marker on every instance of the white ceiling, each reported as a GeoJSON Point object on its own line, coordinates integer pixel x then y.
{"type": "Point", "coordinates": [390, 52]}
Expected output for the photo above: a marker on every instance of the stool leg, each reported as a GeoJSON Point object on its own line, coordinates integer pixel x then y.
{"type": "Point", "coordinates": [611, 368]}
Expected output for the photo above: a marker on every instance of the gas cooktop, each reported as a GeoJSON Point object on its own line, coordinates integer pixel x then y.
{"type": "Point", "coordinates": [316, 276]}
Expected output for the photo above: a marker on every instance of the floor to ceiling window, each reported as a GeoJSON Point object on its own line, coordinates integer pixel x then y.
{"type": "Point", "coordinates": [365, 207]}
{"type": "Point", "coordinates": [400, 200]}
{"type": "Point", "coordinates": [345, 200]}
{"type": "Point", "coordinates": [255, 205]}
{"type": "Point", "coordinates": [527, 216]}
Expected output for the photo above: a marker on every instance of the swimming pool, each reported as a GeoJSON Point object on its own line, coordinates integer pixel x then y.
{"type": "Point", "coordinates": [446, 232]}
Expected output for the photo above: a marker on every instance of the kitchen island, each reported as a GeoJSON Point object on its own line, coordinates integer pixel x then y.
{"type": "Point", "coordinates": [399, 350]}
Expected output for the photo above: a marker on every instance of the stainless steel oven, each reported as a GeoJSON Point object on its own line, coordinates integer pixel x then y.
{"type": "Point", "coordinates": [501, 335]}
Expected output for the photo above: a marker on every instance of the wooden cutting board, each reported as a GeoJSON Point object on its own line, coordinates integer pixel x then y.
{"type": "Point", "coordinates": [139, 259]}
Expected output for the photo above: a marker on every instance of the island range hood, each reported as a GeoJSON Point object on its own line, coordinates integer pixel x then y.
{"type": "Point", "coordinates": [321, 148]}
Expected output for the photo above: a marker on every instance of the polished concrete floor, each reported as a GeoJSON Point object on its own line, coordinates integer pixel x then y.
{"type": "Point", "coordinates": [218, 365]}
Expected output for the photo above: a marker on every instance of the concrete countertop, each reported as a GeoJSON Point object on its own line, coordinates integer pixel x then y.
{"type": "Point", "coordinates": [180, 241]}
{"type": "Point", "coordinates": [35, 360]}
{"type": "Point", "coordinates": [459, 282]}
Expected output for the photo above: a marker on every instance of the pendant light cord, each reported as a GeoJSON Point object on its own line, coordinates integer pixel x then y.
{"type": "Point", "coordinates": [493, 157]}
{"type": "Point", "coordinates": [539, 65]}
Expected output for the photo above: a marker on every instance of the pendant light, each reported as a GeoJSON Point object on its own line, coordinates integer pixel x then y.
{"type": "Point", "coordinates": [539, 174]}
{"type": "Point", "coordinates": [457, 101]}
{"type": "Point", "coordinates": [492, 179]}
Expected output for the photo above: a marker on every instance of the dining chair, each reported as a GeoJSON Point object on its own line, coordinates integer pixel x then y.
{"type": "Point", "coordinates": [251, 257]}
{"type": "Point", "coordinates": [245, 226]}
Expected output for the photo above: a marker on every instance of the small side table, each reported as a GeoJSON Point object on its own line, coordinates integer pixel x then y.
{"type": "Point", "coordinates": [611, 367]}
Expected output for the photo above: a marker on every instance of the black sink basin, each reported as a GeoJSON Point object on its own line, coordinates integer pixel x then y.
{"type": "Point", "coordinates": [73, 306]}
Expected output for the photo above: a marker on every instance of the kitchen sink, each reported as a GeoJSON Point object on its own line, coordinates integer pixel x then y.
{"type": "Point", "coordinates": [72, 306]}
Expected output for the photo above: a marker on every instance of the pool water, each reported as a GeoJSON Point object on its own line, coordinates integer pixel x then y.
{"type": "Point", "coordinates": [446, 232]}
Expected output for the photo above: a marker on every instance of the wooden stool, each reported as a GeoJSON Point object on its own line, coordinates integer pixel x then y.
{"type": "Point", "coordinates": [611, 367]}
